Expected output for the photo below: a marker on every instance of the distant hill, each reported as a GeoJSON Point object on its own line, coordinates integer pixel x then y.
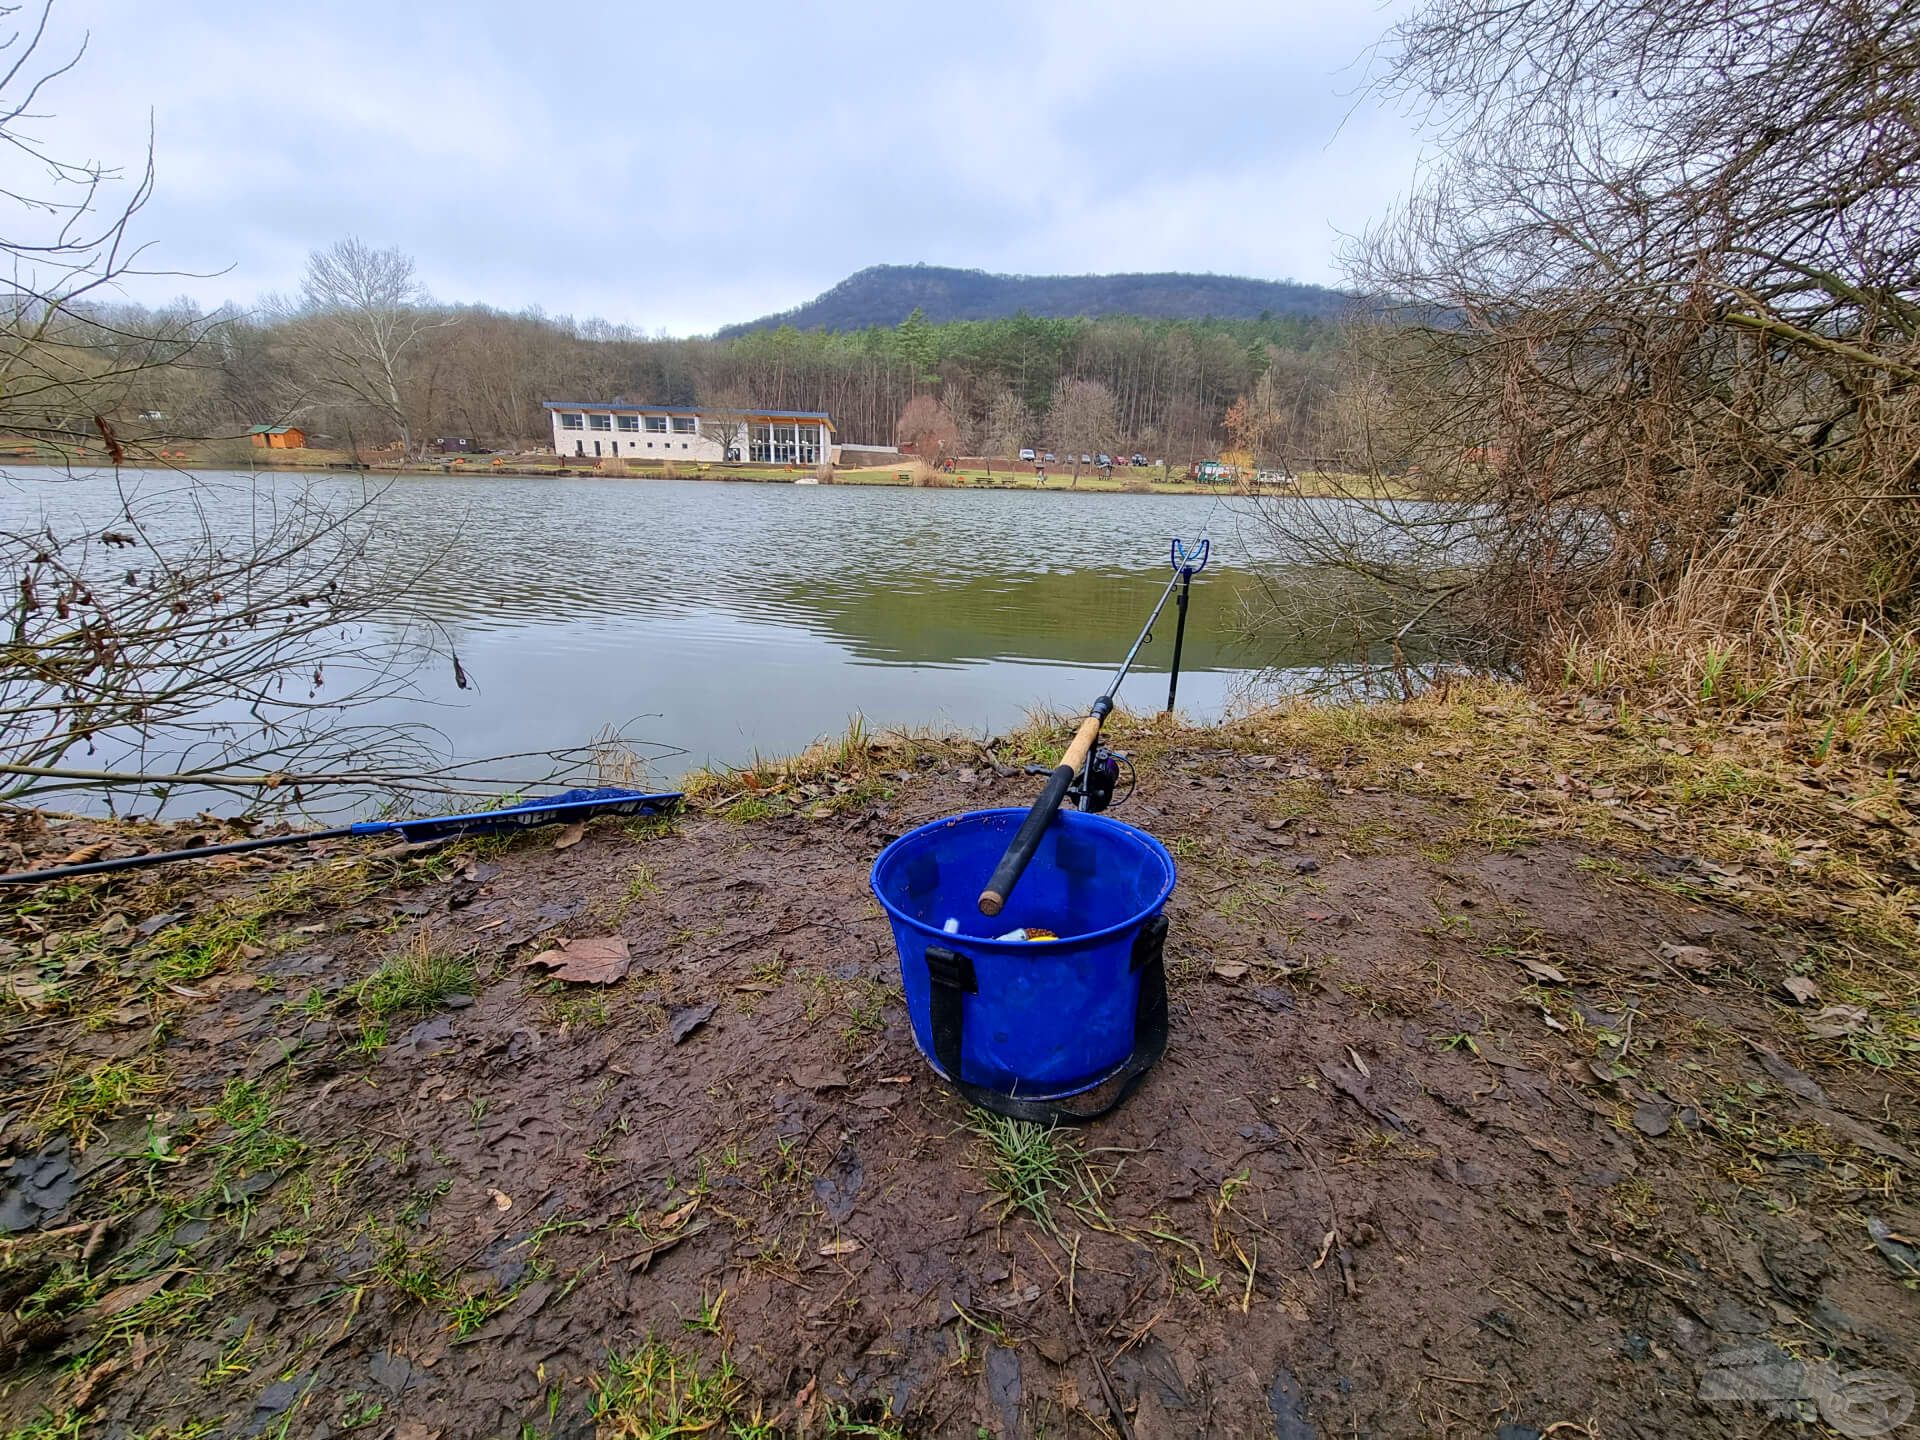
{"type": "Point", "coordinates": [887, 294]}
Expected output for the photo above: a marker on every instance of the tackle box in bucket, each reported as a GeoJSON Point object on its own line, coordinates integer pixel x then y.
{"type": "Point", "coordinates": [1016, 1024]}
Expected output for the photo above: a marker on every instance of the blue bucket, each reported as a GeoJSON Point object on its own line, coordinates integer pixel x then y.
{"type": "Point", "coordinates": [1041, 1020]}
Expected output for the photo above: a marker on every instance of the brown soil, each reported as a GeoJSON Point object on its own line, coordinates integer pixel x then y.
{"type": "Point", "coordinates": [1450, 1140]}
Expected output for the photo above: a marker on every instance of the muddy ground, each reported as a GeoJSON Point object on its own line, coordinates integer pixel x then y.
{"type": "Point", "coordinates": [1462, 1131]}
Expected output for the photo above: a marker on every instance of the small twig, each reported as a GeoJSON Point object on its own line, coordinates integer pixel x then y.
{"type": "Point", "coordinates": [1610, 1253]}
{"type": "Point", "coordinates": [1106, 1385]}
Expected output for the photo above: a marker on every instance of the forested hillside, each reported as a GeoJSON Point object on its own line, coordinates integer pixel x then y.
{"type": "Point", "coordinates": [1163, 386]}
{"type": "Point", "coordinates": [887, 294]}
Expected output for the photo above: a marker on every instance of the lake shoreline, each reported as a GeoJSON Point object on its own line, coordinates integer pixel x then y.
{"type": "Point", "coordinates": [1399, 930]}
{"type": "Point", "coordinates": [1125, 481]}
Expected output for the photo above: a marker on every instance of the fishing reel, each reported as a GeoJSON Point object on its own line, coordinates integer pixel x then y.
{"type": "Point", "coordinates": [1093, 788]}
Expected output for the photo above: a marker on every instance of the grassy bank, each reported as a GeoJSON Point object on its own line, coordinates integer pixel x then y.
{"type": "Point", "coordinates": [1496, 1014]}
{"type": "Point", "coordinates": [1153, 480]}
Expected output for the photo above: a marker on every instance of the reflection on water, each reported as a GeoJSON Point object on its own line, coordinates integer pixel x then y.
{"type": "Point", "coordinates": [731, 620]}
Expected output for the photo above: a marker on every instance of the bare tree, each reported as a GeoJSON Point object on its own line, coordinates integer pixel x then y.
{"type": "Point", "coordinates": [1654, 350]}
{"type": "Point", "coordinates": [360, 313]}
{"type": "Point", "coordinates": [1008, 426]}
{"type": "Point", "coordinates": [68, 360]}
{"type": "Point", "coordinates": [724, 421]}
{"type": "Point", "coordinates": [159, 625]}
{"type": "Point", "coordinates": [929, 429]}
{"type": "Point", "coordinates": [1081, 419]}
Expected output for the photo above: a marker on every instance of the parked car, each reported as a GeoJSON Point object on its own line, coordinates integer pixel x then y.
{"type": "Point", "coordinates": [1139, 460]}
{"type": "Point", "coordinates": [1086, 459]}
{"type": "Point", "coordinates": [1048, 458]}
{"type": "Point", "coordinates": [1104, 461]}
{"type": "Point", "coordinates": [1026, 453]}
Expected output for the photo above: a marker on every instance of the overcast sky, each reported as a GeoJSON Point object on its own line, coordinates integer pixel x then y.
{"type": "Point", "coordinates": [679, 167]}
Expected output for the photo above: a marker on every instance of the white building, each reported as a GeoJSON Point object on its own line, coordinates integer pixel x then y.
{"type": "Point", "coordinates": [685, 432]}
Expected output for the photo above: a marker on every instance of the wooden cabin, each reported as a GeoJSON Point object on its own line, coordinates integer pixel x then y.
{"type": "Point", "coordinates": [278, 437]}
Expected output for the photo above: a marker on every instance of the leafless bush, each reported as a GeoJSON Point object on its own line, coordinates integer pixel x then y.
{"type": "Point", "coordinates": [1653, 347]}
{"type": "Point", "coordinates": [169, 640]}
{"type": "Point", "coordinates": [923, 476]}
{"type": "Point", "coordinates": [155, 635]}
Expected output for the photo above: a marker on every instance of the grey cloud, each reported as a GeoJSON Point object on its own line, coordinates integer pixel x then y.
{"type": "Point", "coordinates": [583, 157]}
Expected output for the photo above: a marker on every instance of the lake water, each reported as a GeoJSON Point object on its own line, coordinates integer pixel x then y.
{"type": "Point", "coordinates": [735, 620]}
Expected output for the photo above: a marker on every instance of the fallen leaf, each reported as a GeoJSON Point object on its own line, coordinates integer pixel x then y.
{"type": "Point", "coordinates": [571, 836]}
{"type": "Point", "coordinates": [805, 1397]}
{"type": "Point", "coordinates": [820, 1077]}
{"type": "Point", "coordinates": [33, 993]}
{"type": "Point", "coordinates": [1687, 957]}
{"type": "Point", "coordinates": [183, 990]}
{"type": "Point", "coordinates": [1837, 1021]}
{"type": "Point", "coordinates": [685, 1022]}
{"type": "Point", "coordinates": [1652, 1119]}
{"type": "Point", "coordinates": [1803, 990]}
{"type": "Point", "coordinates": [82, 1393]}
{"type": "Point", "coordinates": [1358, 1063]}
{"type": "Point", "coordinates": [1326, 1247]}
{"type": "Point", "coordinates": [85, 853]}
{"type": "Point", "coordinates": [1540, 970]}
{"type": "Point", "coordinates": [1899, 1250]}
{"type": "Point", "coordinates": [1552, 1149]}
{"type": "Point", "coordinates": [1552, 1024]}
{"type": "Point", "coordinates": [840, 1247]}
{"type": "Point", "coordinates": [1230, 969]}
{"type": "Point", "coordinates": [501, 1201]}
{"type": "Point", "coordinates": [598, 960]}
{"type": "Point", "coordinates": [648, 1253]}
{"type": "Point", "coordinates": [125, 1297]}
{"type": "Point", "coordinates": [674, 1219]}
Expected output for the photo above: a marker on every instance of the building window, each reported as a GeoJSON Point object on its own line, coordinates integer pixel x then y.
{"type": "Point", "coordinates": [599, 422]}
{"type": "Point", "coordinates": [684, 425]}
{"type": "Point", "coordinates": [626, 422]}
{"type": "Point", "coordinates": [569, 420]}
{"type": "Point", "coordinates": [656, 424]}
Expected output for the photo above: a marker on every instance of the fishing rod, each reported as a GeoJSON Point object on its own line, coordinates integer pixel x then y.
{"type": "Point", "coordinates": [1085, 756]}
{"type": "Point", "coordinates": [566, 806]}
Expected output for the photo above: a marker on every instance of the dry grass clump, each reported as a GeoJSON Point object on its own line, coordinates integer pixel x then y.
{"type": "Point", "coordinates": [1779, 824]}
{"type": "Point", "coordinates": [923, 476]}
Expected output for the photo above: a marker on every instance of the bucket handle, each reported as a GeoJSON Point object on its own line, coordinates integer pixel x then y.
{"type": "Point", "coordinates": [950, 978]}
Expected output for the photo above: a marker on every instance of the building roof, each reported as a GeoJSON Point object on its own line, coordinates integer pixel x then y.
{"type": "Point", "coordinates": [756, 411]}
{"type": "Point", "coordinates": [272, 429]}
